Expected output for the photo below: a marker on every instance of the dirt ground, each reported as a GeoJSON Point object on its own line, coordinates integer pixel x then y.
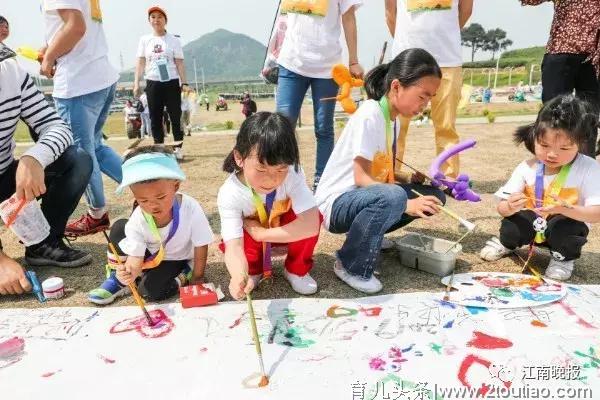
{"type": "Point", "coordinates": [489, 164]}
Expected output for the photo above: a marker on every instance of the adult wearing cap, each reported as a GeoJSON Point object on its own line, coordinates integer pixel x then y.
{"type": "Point", "coordinates": [84, 88]}
{"type": "Point", "coordinates": [4, 29]}
{"type": "Point", "coordinates": [160, 56]}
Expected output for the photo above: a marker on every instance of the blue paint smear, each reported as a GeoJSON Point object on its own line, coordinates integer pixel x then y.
{"type": "Point", "coordinates": [574, 289]}
{"type": "Point", "coordinates": [476, 310]}
{"type": "Point", "coordinates": [449, 324]}
{"type": "Point", "coordinates": [446, 304]}
{"type": "Point", "coordinates": [538, 296]}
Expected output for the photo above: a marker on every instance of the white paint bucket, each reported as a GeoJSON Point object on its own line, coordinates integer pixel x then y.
{"type": "Point", "coordinates": [54, 288]}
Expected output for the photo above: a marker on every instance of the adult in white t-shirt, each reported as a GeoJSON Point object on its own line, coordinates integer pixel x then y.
{"type": "Point", "coordinates": [84, 88]}
{"type": "Point", "coordinates": [310, 50]}
{"type": "Point", "coordinates": [160, 56]}
{"type": "Point", "coordinates": [434, 25]}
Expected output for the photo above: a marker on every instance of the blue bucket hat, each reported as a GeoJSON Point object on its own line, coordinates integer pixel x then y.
{"type": "Point", "coordinates": [148, 166]}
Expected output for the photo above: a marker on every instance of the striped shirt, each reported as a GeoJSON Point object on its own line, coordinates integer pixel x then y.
{"type": "Point", "coordinates": [20, 99]}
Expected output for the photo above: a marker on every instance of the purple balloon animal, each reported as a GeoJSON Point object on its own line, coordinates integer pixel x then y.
{"type": "Point", "coordinates": [461, 186]}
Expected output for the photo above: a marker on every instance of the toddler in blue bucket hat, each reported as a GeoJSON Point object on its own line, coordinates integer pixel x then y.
{"type": "Point", "coordinates": [165, 241]}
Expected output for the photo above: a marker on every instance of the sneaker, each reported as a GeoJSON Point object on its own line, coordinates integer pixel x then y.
{"type": "Point", "coordinates": [109, 291]}
{"type": "Point", "coordinates": [184, 277]}
{"type": "Point", "coordinates": [178, 153]}
{"type": "Point", "coordinates": [86, 225]}
{"type": "Point", "coordinates": [387, 244]}
{"type": "Point", "coordinates": [494, 250]}
{"type": "Point", "coordinates": [56, 254]}
{"type": "Point", "coordinates": [559, 270]}
{"type": "Point", "coordinates": [369, 286]}
{"type": "Point", "coordinates": [301, 284]}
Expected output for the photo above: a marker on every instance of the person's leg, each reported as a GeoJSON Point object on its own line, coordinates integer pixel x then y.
{"type": "Point", "coordinates": [443, 115]}
{"type": "Point", "coordinates": [565, 237]}
{"type": "Point", "coordinates": [299, 260]}
{"type": "Point", "coordinates": [66, 179]}
{"type": "Point", "coordinates": [173, 103]}
{"type": "Point", "coordinates": [366, 214]}
{"type": "Point", "coordinates": [156, 106]}
{"type": "Point", "coordinates": [291, 90]}
{"type": "Point", "coordinates": [558, 75]}
{"type": "Point", "coordinates": [159, 283]}
{"type": "Point", "coordinates": [254, 255]}
{"type": "Point", "coordinates": [587, 87]}
{"type": "Point", "coordinates": [517, 230]}
{"type": "Point", "coordinates": [109, 161]}
{"type": "Point", "coordinates": [7, 181]}
{"type": "Point", "coordinates": [323, 114]}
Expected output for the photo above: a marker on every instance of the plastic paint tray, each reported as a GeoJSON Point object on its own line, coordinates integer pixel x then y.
{"type": "Point", "coordinates": [427, 253]}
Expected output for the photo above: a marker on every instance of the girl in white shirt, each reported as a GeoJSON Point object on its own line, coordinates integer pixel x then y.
{"type": "Point", "coordinates": [550, 198]}
{"type": "Point", "coordinates": [265, 201]}
{"type": "Point", "coordinates": [160, 56]}
{"type": "Point", "coordinates": [358, 194]}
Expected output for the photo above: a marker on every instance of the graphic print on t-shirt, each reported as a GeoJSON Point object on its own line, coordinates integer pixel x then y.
{"type": "Point", "coordinates": [428, 5]}
{"type": "Point", "coordinates": [312, 7]}
{"type": "Point", "coordinates": [96, 11]}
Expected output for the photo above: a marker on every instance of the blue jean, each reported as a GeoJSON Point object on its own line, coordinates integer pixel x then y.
{"type": "Point", "coordinates": [366, 214]}
{"type": "Point", "coordinates": [291, 90]}
{"type": "Point", "coordinates": [86, 115]}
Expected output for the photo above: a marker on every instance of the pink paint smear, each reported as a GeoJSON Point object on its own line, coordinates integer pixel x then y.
{"type": "Point", "coordinates": [162, 325]}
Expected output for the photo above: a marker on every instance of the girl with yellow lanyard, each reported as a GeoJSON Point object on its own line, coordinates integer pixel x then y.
{"type": "Point", "coordinates": [265, 202]}
{"type": "Point", "coordinates": [357, 193]}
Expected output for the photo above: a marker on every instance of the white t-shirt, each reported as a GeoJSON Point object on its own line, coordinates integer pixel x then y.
{"type": "Point", "coordinates": [85, 69]}
{"type": "Point", "coordinates": [129, 111]}
{"type": "Point", "coordinates": [436, 31]}
{"type": "Point", "coordinates": [235, 202]}
{"type": "Point", "coordinates": [193, 231]}
{"type": "Point", "coordinates": [186, 104]}
{"type": "Point", "coordinates": [144, 100]}
{"type": "Point", "coordinates": [364, 136]}
{"type": "Point", "coordinates": [159, 50]}
{"type": "Point", "coordinates": [312, 43]}
{"type": "Point", "coordinates": [582, 186]}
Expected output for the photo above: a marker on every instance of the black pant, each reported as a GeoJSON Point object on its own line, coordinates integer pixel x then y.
{"type": "Point", "coordinates": [65, 179]}
{"type": "Point", "coordinates": [161, 94]}
{"type": "Point", "coordinates": [563, 73]}
{"type": "Point", "coordinates": [564, 236]}
{"type": "Point", "coordinates": [157, 283]}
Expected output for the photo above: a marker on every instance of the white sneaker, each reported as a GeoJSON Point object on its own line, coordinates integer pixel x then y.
{"type": "Point", "coordinates": [494, 250]}
{"type": "Point", "coordinates": [387, 244]}
{"type": "Point", "coordinates": [369, 286]}
{"type": "Point", "coordinates": [178, 153]}
{"type": "Point", "coordinates": [559, 270]}
{"type": "Point", "coordinates": [301, 284]}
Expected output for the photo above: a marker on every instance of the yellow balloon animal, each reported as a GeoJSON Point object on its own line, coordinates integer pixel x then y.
{"type": "Point", "coordinates": [345, 80]}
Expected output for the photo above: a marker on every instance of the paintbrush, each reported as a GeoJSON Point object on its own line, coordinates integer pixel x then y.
{"type": "Point", "coordinates": [449, 286]}
{"type": "Point", "coordinates": [556, 199]}
{"type": "Point", "coordinates": [134, 292]}
{"type": "Point", "coordinates": [469, 225]}
{"type": "Point", "coordinates": [264, 379]}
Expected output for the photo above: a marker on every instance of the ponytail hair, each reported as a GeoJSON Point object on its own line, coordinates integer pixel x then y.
{"type": "Point", "coordinates": [408, 67]}
{"type": "Point", "coordinates": [273, 138]}
{"type": "Point", "coordinates": [575, 117]}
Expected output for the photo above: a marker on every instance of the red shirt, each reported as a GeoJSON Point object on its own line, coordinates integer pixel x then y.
{"type": "Point", "coordinates": [575, 28]}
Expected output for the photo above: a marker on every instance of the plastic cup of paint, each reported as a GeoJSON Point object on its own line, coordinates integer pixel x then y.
{"type": "Point", "coordinates": [54, 288]}
{"type": "Point", "coordinates": [26, 220]}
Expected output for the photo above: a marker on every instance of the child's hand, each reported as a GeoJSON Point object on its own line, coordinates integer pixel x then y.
{"type": "Point", "coordinates": [423, 206]}
{"type": "Point", "coordinates": [239, 286]}
{"type": "Point", "coordinates": [128, 273]}
{"type": "Point", "coordinates": [516, 201]}
{"type": "Point", "coordinates": [254, 229]}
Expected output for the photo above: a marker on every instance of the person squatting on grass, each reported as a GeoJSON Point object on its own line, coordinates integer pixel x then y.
{"type": "Point", "coordinates": [551, 199]}
{"type": "Point", "coordinates": [265, 202]}
{"type": "Point", "coordinates": [164, 243]}
{"type": "Point", "coordinates": [358, 192]}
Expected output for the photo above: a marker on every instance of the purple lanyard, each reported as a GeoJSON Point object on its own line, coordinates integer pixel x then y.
{"type": "Point", "coordinates": [172, 231]}
{"type": "Point", "coordinates": [267, 262]}
{"type": "Point", "coordinates": [539, 185]}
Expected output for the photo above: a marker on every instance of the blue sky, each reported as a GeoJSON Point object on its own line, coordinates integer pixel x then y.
{"type": "Point", "coordinates": [125, 22]}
